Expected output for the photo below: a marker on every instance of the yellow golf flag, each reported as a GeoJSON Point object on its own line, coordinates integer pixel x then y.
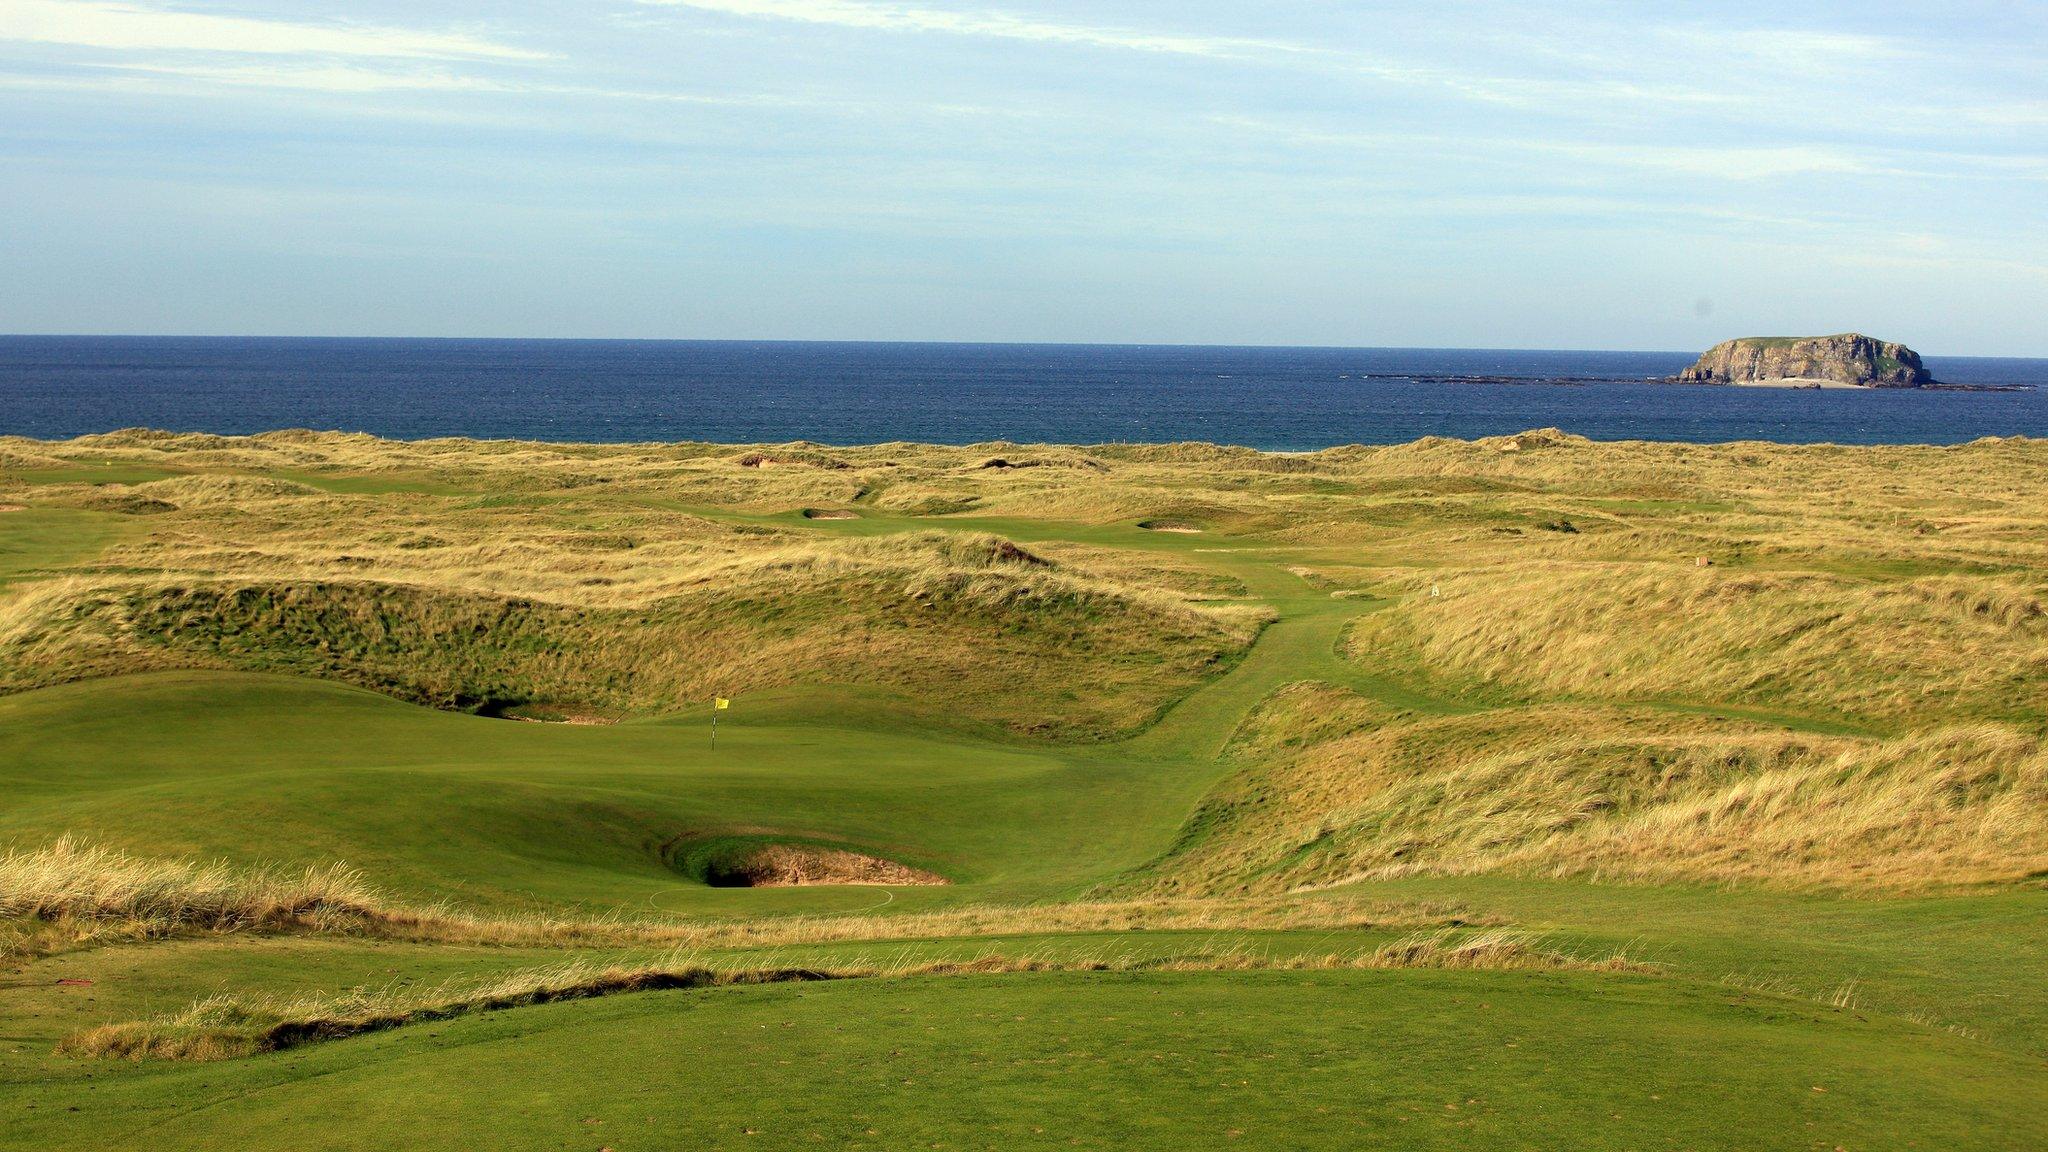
{"type": "Point", "coordinates": [720, 703]}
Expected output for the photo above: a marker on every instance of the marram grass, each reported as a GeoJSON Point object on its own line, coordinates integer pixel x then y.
{"type": "Point", "coordinates": [72, 894]}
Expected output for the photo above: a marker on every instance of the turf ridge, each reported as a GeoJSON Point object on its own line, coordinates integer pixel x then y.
{"type": "Point", "coordinates": [224, 1027]}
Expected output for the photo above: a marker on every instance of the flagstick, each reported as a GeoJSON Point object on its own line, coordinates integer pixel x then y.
{"type": "Point", "coordinates": [714, 722]}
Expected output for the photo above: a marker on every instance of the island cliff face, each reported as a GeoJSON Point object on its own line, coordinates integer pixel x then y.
{"type": "Point", "coordinates": [1848, 359]}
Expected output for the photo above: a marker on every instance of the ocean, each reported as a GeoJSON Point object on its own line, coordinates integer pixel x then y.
{"type": "Point", "coordinates": [1288, 399]}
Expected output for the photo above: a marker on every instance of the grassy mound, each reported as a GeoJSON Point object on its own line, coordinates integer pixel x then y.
{"type": "Point", "coordinates": [1952, 646]}
{"type": "Point", "coordinates": [1639, 794]}
{"type": "Point", "coordinates": [1357, 793]}
{"type": "Point", "coordinates": [225, 1027]}
{"type": "Point", "coordinates": [71, 896]}
{"type": "Point", "coordinates": [973, 624]}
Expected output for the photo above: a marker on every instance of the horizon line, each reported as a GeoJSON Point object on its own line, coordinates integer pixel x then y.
{"type": "Point", "coordinates": [925, 342]}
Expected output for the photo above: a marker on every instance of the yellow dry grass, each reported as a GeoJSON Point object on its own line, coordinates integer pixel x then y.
{"type": "Point", "coordinates": [71, 894]}
{"type": "Point", "coordinates": [1876, 614]}
{"type": "Point", "coordinates": [1629, 794]}
{"type": "Point", "coordinates": [1898, 650]}
{"type": "Point", "coordinates": [226, 1026]}
{"type": "Point", "coordinates": [967, 620]}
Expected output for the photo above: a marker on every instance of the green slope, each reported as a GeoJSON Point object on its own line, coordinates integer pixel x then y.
{"type": "Point", "coordinates": [1939, 1043]}
{"type": "Point", "coordinates": [509, 815]}
{"type": "Point", "coordinates": [1168, 1061]}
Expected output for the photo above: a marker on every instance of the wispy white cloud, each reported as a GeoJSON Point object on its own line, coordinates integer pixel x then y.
{"type": "Point", "coordinates": [2015, 114]}
{"type": "Point", "coordinates": [1720, 162]}
{"type": "Point", "coordinates": [1725, 163]}
{"type": "Point", "coordinates": [1787, 49]}
{"type": "Point", "coordinates": [132, 27]}
{"type": "Point", "coordinates": [1407, 136]}
{"type": "Point", "coordinates": [891, 17]}
{"type": "Point", "coordinates": [323, 77]}
{"type": "Point", "coordinates": [173, 77]}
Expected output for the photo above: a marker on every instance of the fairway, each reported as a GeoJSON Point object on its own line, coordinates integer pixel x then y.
{"type": "Point", "coordinates": [1366, 808]}
{"type": "Point", "coordinates": [1408, 1060]}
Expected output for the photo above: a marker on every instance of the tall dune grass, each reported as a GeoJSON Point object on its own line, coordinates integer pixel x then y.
{"type": "Point", "coordinates": [970, 622]}
{"type": "Point", "coordinates": [1894, 591]}
{"type": "Point", "coordinates": [1886, 651]}
{"type": "Point", "coordinates": [1619, 793]}
{"type": "Point", "coordinates": [74, 894]}
{"type": "Point", "coordinates": [71, 893]}
{"type": "Point", "coordinates": [77, 880]}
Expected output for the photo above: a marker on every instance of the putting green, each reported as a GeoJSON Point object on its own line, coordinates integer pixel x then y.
{"type": "Point", "coordinates": [509, 815]}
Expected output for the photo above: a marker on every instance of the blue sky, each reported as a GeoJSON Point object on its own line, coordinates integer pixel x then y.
{"type": "Point", "coordinates": [1449, 173]}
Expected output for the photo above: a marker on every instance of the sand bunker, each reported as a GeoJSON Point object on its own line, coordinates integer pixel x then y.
{"type": "Point", "coordinates": [544, 712]}
{"type": "Point", "coordinates": [830, 514]}
{"type": "Point", "coordinates": [13, 507]}
{"type": "Point", "coordinates": [791, 866]}
{"type": "Point", "coordinates": [1169, 526]}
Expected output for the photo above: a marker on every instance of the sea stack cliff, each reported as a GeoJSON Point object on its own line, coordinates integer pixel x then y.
{"type": "Point", "coordinates": [1850, 360]}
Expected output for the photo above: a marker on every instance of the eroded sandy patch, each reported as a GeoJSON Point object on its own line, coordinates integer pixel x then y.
{"type": "Point", "coordinates": [790, 866]}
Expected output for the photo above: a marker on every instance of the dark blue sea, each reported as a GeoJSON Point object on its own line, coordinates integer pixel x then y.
{"type": "Point", "coordinates": [844, 393]}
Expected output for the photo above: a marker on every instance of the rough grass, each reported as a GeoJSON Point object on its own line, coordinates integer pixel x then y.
{"type": "Point", "coordinates": [968, 620]}
{"type": "Point", "coordinates": [71, 894]}
{"type": "Point", "coordinates": [1869, 622]}
{"type": "Point", "coordinates": [1623, 794]}
{"type": "Point", "coordinates": [1846, 697]}
{"type": "Point", "coordinates": [1887, 652]}
{"type": "Point", "coordinates": [226, 1026]}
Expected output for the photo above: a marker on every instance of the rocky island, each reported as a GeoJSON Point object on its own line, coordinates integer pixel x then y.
{"type": "Point", "coordinates": [1850, 360]}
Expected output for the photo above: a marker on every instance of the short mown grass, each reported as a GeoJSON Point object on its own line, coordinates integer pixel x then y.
{"type": "Point", "coordinates": [1321, 826]}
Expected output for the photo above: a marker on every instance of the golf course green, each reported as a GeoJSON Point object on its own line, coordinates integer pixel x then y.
{"type": "Point", "coordinates": [1433, 796]}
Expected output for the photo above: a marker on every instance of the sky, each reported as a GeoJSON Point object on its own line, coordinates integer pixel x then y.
{"type": "Point", "coordinates": [1449, 173]}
